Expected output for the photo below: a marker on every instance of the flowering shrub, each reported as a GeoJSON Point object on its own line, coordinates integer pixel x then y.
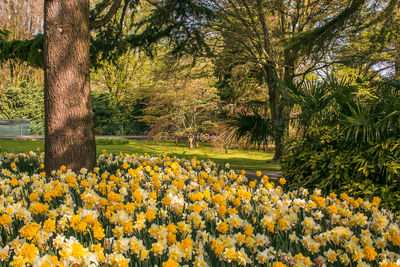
{"type": "Point", "coordinates": [144, 211]}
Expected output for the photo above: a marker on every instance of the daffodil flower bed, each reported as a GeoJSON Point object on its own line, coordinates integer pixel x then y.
{"type": "Point", "coordinates": [145, 211]}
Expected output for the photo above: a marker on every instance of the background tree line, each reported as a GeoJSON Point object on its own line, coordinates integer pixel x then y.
{"type": "Point", "coordinates": [221, 66]}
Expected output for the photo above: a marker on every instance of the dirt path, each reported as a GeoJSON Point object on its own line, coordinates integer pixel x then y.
{"type": "Point", "coordinates": [271, 174]}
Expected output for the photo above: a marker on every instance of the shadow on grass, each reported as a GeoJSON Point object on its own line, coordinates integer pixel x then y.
{"type": "Point", "coordinates": [237, 159]}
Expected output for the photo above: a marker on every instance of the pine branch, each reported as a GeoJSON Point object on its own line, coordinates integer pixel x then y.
{"type": "Point", "coordinates": [318, 37]}
{"type": "Point", "coordinates": [106, 19]}
{"type": "Point", "coordinates": [30, 51]}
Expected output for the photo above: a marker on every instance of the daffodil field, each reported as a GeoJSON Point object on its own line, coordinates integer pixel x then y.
{"type": "Point", "coordinates": [144, 211]}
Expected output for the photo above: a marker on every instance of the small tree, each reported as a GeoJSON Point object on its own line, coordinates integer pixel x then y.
{"type": "Point", "coordinates": [183, 101]}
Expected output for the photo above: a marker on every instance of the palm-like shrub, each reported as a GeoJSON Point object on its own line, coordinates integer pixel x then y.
{"type": "Point", "coordinates": [252, 126]}
{"type": "Point", "coordinates": [373, 116]}
{"type": "Point", "coordinates": [348, 139]}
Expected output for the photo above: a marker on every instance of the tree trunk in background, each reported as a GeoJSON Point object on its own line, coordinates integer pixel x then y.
{"type": "Point", "coordinates": [197, 139]}
{"type": "Point", "coordinates": [280, 109]}
{"type": "Point", "coordinates": [69, 133]}
{"type": "Point", "coordinates": [190, 139]}
{"type": "Point", "coordinates": [277, 116]}
{"type": "Point", "coordinates": [277, 106]}
{"type": "Point", "coordinates": [397, 63]}
{"type": "Point", "coordinates": [11, 74]}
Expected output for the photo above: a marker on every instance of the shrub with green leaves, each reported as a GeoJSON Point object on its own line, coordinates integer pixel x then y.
{"type": "Point", "coordinates": [112, 116]}
{"type": "Point", "coordinates": [350, 143]}
{"type": "Point", "coordinates": [24, 101]}
{"type": "Point", "coordinates": [322, 159]}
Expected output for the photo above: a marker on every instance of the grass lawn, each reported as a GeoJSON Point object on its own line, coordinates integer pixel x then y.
{"type": "Point", "coordinates": [238, 159]}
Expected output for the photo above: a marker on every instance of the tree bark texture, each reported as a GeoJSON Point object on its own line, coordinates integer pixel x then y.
{"type": "Point", "coordinates": [69, 133]}
{"type": "Point", "coordinates": [277, 116]}
{"type": "Point", "coordinates": [277, 106]}
{"type": "Point", "coordinates": [397, 62]}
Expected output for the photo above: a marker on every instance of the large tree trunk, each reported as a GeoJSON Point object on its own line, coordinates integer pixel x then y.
{"type": "Point", "coordinates": [69, 134]}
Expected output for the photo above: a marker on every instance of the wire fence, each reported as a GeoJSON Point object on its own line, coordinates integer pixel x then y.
{"type": "Point", "coordinates": [14, 127]}
{"type": "Point", "coordinates": [36, 128]}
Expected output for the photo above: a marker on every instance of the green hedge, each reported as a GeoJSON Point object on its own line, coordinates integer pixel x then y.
{"type": "Point", "coordinates": [22, 102]}
{"type": "Point", "coordinates": [323, 159]}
